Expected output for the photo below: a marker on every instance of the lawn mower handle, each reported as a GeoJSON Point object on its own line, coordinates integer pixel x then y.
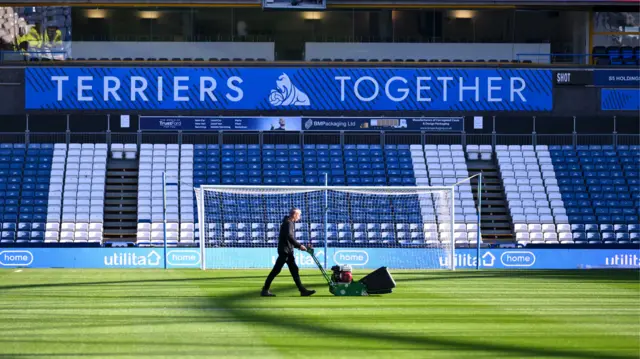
{"type": "Point", "coordinates": [324, 273]}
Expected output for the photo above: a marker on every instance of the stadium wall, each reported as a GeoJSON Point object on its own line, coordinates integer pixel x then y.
{"type": "Point", "coordinates": [359, 258]}
{"type": "Point", "coordinates": [11, 91]}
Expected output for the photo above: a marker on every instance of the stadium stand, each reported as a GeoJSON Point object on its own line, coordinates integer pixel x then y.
{"type": "Point", "coordinates": [352, 165]}
{"type": "Point", "coordinates": [24, 181]}
{"type": "Point", "coordinates": [600, 189]}
{"type": "Point", "coordinates": [76, 196]}
{"type": "Point", "coordinates": [542, 194]}
{"type": "Point", "coordinates": [531, 190]}
{"type": "Point", "coordinates": [54, 193]}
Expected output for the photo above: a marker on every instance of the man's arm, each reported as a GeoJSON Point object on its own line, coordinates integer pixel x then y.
{"type": "Point", "coordinates": [291, 236]}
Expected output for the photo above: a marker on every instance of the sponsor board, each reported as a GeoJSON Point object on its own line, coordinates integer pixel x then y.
{"type": "Point", "coordinates": [16, 258]}
{"type": "Point", "coordinates": [617, 78]}
{"type": "Point", "coordinates": [183, 257]}
{"type": "Point", "coordinates": [210, 123]}
{"type": "Point", "coordinates": [351, 257]}
{"type": "Point", "coordinates": [518, 259]}
{"type": "Point", "coordinates": [362, 258]}
{"type": "Point", "coordinates": [294, 88]}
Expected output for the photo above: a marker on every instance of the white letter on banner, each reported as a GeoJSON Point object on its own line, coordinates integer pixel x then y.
{"type": "Point", "coordinates": [475, 88]}
{"type": "Point", "coordinates": [82, 87]}
{"type": "Point", "coordinates": [518, 90]}
{"type": "Point", "coordinates": [231, 85]}
{"type": "Point", "coordinates": [111, 90]}
{"type": "Point", "coordinates": [177, 87]}
{"type": "Point", "coordinates": [207, 86]}
{"type": "Point", "coordinates": [59, 80]}
{"type": "Point", "coordinates": [444, 80]}
{"type": "Point", "coordinates": [342, 79]}
{"type": "Point", "coordinates": [375, 92]}
{"type": "Point", "coordinates": [419, 88]}
{"type": "Point", "coordinates": [160, 92]}
{"type": "Point", "coordinates": [138, 90]}
{"type": "Point", "coordinates": [491, 88]}
{"type": "Point", "coordinates": [402, 90]}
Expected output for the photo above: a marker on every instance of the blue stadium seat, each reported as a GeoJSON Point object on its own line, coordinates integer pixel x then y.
{"type": "Point", "coordinates": [593, 236]}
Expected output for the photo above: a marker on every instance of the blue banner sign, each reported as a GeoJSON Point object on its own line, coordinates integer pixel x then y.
{"type": "Point", "coordinates": [195, 123]}
{"type": "Point", "coordinates": [359, 258]}
{"type": "Point", "coordinates": [427, 124]}
{"type": "Point", "coordinates": [327, 89]}
{"type": "Point", "coordinates": [617, 78]}
{"type": "Point", "coordinates": [620, 99]}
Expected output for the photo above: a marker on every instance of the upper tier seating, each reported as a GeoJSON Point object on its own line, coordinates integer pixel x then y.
{"type": "Point", "coordinates": [443, 61]}
{"type": "Point", "coordinates": [616, 55]}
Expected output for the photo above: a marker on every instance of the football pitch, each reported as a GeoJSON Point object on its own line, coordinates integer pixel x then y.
{"type": "Point", "coordinates": [65, 313]}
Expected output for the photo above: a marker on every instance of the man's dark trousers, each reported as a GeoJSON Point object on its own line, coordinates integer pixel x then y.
{"type": "Point", "coordinates": [290, 260]}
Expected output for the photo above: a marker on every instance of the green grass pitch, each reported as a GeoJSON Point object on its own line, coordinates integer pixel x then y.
{"type": "Point", "coordinates": [64, 313]}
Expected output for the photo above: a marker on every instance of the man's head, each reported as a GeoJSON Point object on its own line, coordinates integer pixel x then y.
{"type": "Point", "coordinates": [294, 214]}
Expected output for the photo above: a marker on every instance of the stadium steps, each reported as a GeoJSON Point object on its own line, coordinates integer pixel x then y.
{"type": "Point", "coordinates": [120, 212]}
{"type": "Point", "coordinates": [495, 223]}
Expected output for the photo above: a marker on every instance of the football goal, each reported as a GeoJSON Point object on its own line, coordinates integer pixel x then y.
{"type": "Point", "coordinates": [398, 227]}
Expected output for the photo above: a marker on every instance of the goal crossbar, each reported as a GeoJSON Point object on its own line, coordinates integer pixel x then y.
{"type": "Point", "coordinates": [324, 188]}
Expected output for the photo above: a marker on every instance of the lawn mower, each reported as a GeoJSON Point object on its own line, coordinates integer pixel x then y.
{"type": "Point", "coordinates": [341, 280]}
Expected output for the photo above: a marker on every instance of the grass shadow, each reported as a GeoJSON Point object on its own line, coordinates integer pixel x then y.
{"type": "Point", "coordinates": [136, 281]}
{"type": "Point", "coordinates": [233, 303]}
{"type": "Point", "coordinates": [611, 275]}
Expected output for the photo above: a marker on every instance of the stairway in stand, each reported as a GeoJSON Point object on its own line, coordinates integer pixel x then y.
{"type": "Point", "coordinates": [121, 201]}
{"type": "Point", "coordinates": [495, 220]}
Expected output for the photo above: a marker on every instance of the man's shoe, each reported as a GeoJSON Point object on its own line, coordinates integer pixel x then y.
{"type": "Point", "coordinates": [267, 293]}
{"type": "Point", "coordinates": [307, 293]}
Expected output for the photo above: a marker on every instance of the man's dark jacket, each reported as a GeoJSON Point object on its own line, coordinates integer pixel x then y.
{"type": "Point", "coordinates": [287, 238]}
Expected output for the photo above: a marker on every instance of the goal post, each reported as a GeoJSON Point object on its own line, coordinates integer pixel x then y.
{"type": "Point", "coordinates": [398, 227]}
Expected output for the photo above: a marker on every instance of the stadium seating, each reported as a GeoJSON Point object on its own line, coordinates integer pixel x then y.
{"type": "Point", "coordinates": [54, 193]}
{"type": "Point", "coordinates": [76, 197]}
{"type": "Point", "coordinates": [567, 194]}
{"type": "Point", "coordinates": [350, 165]}
{"type": "Point", "coordinates": [25, 173]}
{"type": "Point", "coordinates": [446, 166]}
{"type": "Point", "coordinates": [51, 194]}
{"type": "Point", "coordinates": [156, 160]}
{"type": "Point", "coordinates": [616, 55]}
{"type": "Point", "coordinates": [600, 189]}
{"type": "Point", "coordinates": [533, 195]}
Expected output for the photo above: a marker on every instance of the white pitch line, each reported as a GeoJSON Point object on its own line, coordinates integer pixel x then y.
{"type": "Point", "coordinates": [18, 271]}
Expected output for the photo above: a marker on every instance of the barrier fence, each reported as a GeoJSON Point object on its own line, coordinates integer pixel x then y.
{"type": "Point", "coordinates": [358, 258]}
{"type": "Point", "coordinates": [273, 137]}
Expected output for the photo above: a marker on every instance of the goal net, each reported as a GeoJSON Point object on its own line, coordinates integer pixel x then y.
{"type": "Point", "coordinates": [365, 227]}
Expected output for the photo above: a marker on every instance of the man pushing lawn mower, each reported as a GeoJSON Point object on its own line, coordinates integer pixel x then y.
{"type": "Point", "coordinates": [341, 281]}
{"type": "Point", "coordinates": [286, 243]}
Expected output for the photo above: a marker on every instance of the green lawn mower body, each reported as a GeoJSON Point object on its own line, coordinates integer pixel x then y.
{"type": "Point", "coordinates": [377, 282]}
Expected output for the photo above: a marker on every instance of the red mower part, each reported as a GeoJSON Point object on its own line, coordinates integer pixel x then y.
{"type": "Point", "coordinates": [346, 277]}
